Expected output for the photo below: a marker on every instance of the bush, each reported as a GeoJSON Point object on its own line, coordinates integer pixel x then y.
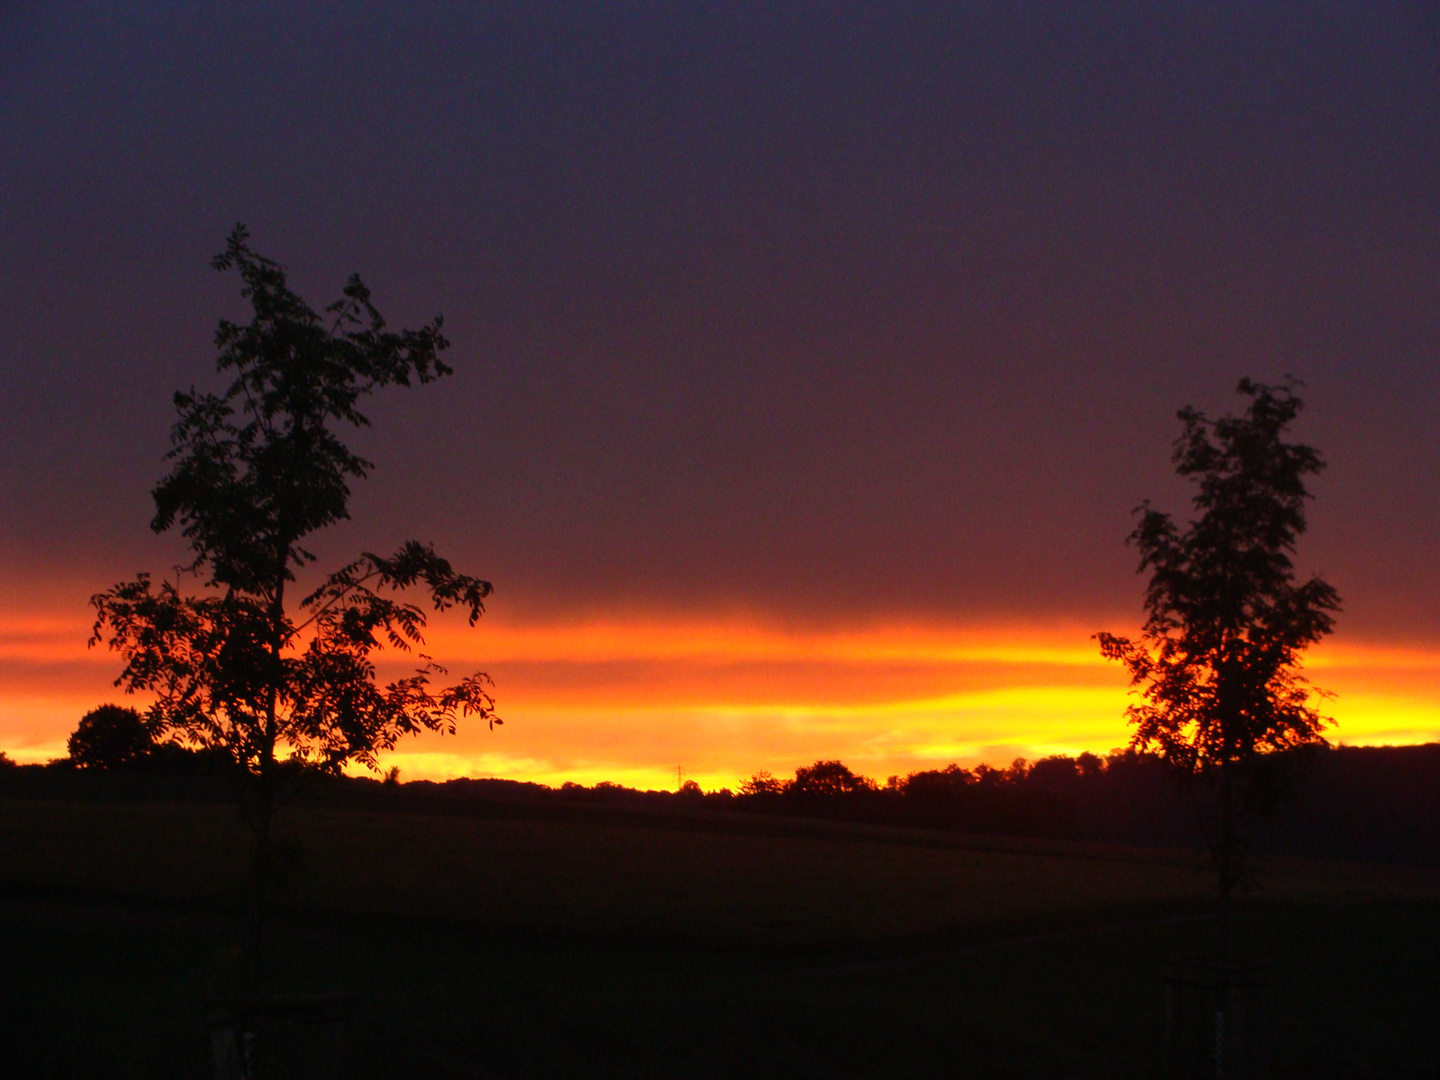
{"type": "Point", "coordinates": [110, 737]}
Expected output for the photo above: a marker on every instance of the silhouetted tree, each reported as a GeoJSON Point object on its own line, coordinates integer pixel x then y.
{"type": "Point", "coordinates": [989, 777]}
{"type": "Point", "coordinates": [110, 737]}
{"type": "Point", "coordinates": [1056, 772]}
{"type": "Point", "coordinates": [762, 785]}
{"type": "Point", "coordinates": [829, 778]}
{"type": "Point", "coordinates": [232, 661]}
{"type": "Point", "coordinates": [1217, 664]}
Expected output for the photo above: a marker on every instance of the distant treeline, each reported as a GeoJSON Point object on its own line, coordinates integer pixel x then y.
{"type": "Point", "coordinates": [1368, 804]}
{"type": "Point", "coordinates": [1360, 803]}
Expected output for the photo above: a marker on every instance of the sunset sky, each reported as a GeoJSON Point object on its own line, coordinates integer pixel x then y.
{"type": "Point", "coordinates": [810, 360]}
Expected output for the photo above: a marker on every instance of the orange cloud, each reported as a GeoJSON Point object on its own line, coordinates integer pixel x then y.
{"type": "Point", "coordinates": [631, 699]}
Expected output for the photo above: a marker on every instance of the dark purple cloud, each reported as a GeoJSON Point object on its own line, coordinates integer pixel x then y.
{"type": "Point", "coordinates": [811, 309]}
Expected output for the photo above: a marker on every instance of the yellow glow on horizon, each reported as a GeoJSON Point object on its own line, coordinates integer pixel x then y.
{"type": "Point", "coordinates": [630, 698]}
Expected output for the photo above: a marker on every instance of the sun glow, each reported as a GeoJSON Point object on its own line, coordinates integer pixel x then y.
{"type": "Point", "coordinates": [633, 699]}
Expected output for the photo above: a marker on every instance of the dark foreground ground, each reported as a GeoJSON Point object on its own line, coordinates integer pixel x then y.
{"type": "Point", "coordinates": [510, 947]}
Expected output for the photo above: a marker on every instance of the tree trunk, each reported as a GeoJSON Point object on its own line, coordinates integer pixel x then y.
{"type": "Point", "coordinates": [257, 916]}
{"type": "Point", "coordinates": [1227, 857]}
{"type": "Point", "coordinates": [263, 812]}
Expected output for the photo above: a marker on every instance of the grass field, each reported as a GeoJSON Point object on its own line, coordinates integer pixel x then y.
{"type": "Point", "coordinates": [529, 947]}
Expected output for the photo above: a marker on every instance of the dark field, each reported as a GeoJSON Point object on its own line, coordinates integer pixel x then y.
{"type": "Point", "coordinates": [541, 946]}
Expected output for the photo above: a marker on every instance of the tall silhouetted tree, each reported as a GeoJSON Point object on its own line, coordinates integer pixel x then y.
{"type": "Point", "coordinates": [233, 661]}
{"type": "Point", "coordinates": [1217, 666]}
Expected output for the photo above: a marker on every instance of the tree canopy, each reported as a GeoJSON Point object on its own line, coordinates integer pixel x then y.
{"type": "Point", "coordinates": [1217, 665]}
{"type": "Point", "coordinates": [231, 660]}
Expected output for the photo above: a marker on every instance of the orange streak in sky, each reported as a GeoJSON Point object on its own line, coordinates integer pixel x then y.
{"type": "Point", "coordinates": [629, 699]}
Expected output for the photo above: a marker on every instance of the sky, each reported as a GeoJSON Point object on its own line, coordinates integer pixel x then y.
{"type": "Point", "coordinates": [810, 360]}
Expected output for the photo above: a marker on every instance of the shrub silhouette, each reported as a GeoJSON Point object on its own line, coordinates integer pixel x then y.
{"type": "Point", "coordinates": [110, 737]}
